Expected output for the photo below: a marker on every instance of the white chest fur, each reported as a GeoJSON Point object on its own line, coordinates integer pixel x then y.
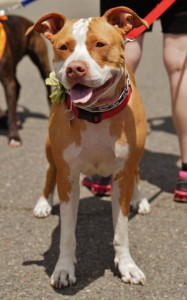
{"type": "Point", "coordinates": [99, 152]}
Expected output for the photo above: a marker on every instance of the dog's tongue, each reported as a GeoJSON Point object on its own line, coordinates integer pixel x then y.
{"type": "Point", "coordinates": [80, 94]}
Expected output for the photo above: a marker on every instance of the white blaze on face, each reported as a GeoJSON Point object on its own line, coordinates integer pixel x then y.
{"type": "Point", "coordinates": [80, 30]}
{"type": "Point", "coordinates": [96, 75]}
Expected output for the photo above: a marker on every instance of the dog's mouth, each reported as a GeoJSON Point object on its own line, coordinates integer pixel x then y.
{"type": "Point", "coordinates": [82, 94]}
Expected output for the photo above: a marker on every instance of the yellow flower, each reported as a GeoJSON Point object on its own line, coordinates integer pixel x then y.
{"type": "Point", "coordinates": [58, 94]}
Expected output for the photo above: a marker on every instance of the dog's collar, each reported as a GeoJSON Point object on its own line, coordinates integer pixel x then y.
{"type": "Point", "coordinates": [97, 114]}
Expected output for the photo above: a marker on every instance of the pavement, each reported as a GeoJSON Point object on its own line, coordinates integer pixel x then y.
{"type": "Point", "coordinates": [29, 246]}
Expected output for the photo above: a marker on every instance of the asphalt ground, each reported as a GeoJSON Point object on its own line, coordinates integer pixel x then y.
{"type": "Point", "coordinates": [29, 246]}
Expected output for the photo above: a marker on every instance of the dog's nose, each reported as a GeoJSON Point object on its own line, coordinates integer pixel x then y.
{"type": "Point", "coordinates": [76, 69]}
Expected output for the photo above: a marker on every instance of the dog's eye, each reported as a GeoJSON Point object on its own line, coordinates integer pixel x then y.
{"type": "Point", "coordinates": [100, 44]}
{"type": "Point", "coordinates": [63, 47]}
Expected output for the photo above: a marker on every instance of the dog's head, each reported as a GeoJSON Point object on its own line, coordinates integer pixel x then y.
{"type": "Point", "coordinates": [89, 53]}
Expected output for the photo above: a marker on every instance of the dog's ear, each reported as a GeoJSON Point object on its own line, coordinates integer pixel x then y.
{"type": "Point", "coordinates": [48, 25]}
{"type": "Point", "coordinates": [124, 18]}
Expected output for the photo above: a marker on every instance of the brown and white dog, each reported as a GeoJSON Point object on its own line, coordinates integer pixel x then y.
{"type": "Point", "coordinates": [100, 128]}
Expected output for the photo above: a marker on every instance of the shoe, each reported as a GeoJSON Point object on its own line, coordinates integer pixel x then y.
{"type": "Point", "coordinates": [98, 185]}
{"type": "Point", "coordinates": [180, 194]}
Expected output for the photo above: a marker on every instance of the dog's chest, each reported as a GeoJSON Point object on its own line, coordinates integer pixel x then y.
{"type": "Point", "coordinates": [99, 152]}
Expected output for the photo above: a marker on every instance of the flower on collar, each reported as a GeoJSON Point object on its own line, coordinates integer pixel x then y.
{"type": "Point", "coordinates": [58, 94]}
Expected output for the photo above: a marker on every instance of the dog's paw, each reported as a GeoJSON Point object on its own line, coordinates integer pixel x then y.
{"type": "Point", "coordinates": [14, 142]}
{"type": "Point", "coordinates": [130, 273]}
{"type": "Point", "coordinates": [144, 207]}
{"type": "Point", "coordinates": [63, 275]}
{"type": "Point", "coordinates": [133, 275]}
{"type": "Point", "coordinates": [43, 208]}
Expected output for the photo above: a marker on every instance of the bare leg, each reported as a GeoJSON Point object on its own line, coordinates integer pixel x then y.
{"type": "Point", "coordinates": [175, 59]}
{"type": "Point", "coordinates": [133, 52]}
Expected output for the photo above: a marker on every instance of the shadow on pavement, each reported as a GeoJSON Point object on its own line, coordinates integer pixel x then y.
{"type": "Point", "coordinates": [95, 252]}
{"type": "Point", "coordinates": [26, 113]}
{"type": "Point", "coordinates": [23, 116]}
{"type": "Point", "coordinates": [160, 170]}
{"type": "Point", "coordinates": [164, 124]}
{"type": "Point", "coordinates": [157, 168]}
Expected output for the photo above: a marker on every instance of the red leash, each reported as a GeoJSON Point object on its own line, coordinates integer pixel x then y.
{"type": "Point", "coordinates": [150, 18]}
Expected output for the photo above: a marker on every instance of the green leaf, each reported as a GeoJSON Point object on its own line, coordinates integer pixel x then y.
{"type": "Point", "coordinates": [58, 94]}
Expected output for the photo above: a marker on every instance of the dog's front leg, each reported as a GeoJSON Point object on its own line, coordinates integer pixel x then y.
{"type": "Point", "coordinates": [64, 273]}
{"type": "Point", "coordinates": [121, 192]}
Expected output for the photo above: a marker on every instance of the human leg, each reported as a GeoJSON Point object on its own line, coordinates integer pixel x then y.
{"type": "Point", "coordinates": [133, 52]}
{"type": "Point", "coordinates": [175, 59]}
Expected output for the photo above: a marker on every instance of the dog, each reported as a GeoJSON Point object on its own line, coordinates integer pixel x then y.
{"type": "Point", "coordinates": [16, 47]}
{"type": "Point", "coordinates": [98, 128]}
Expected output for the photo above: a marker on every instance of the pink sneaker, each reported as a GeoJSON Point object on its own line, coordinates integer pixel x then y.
{"type": "Point", "coordinates": [98, 185]}
{"type": "Point", "coordinates": [180, 194]}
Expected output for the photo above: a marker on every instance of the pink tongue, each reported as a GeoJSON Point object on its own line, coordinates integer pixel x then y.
{"type": "Point", "coordinates": [79, 95]}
